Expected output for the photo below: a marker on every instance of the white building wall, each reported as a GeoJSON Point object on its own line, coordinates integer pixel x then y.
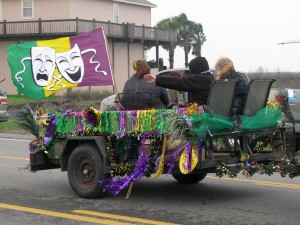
{"type": "Point", "coordinates": [122, 54]}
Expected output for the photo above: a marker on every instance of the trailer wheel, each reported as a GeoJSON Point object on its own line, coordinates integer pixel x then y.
{"type": "Point", "coordinates": [190, 178]}
{"type": "Point", "coordinates": [85, 169]}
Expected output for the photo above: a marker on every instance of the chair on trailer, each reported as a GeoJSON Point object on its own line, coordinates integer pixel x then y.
{"type": "Point", "coordinates": [135, 101]}
{"type": "Point", "coordinates": [257, 98]}
{"type": "Point", "coordinates": [220, 100]}
{"type": "Point", "coordinates": [221, 96]}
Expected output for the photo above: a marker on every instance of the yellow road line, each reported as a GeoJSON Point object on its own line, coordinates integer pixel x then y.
{"type": "Point", "coordinates": [11, 157]}
{"type": "Point", "coordinates": [259, 182]}
{"type": "Point", "coordinates": [132, 219]}
{"type": "Point", "coordinates": [278, 185]}
{"type": "Point", "coordinates": [61, 215]}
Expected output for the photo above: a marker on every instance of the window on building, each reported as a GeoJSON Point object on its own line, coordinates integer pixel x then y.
{"type": "Point", "coordinates": [0, 9]}
{"type": "Point", "coordinates": [27, 7]}
{"type": "Point", "coordinates": [116, 12]}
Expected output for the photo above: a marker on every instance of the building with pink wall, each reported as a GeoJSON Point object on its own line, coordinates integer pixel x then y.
{"type": "Point", "coordinates": [127, 24]}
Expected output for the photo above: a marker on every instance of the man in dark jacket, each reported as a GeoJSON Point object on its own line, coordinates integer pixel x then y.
{"type": "Point", "coordinates": [197, 84]}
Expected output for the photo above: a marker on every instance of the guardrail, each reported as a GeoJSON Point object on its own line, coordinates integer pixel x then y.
{"type": "Point", "coordinates": [69, 27]}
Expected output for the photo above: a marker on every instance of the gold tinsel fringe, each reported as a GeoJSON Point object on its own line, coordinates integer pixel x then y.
{"type": "Point", "coordinates": [162, 160]}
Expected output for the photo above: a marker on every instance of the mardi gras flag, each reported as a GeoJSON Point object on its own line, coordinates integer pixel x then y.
{"type": "Point", "coordinates": [41, 68]}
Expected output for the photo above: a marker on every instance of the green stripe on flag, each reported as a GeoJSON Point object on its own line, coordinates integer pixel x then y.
{"type": "Point", "coordinates": [19, 61]}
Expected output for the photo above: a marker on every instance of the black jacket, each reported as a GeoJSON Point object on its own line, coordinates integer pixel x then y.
{"type": "Point", "coordinates": [160, 97]}
{"type": "Point", "coordinates": [241, 93]}
{"type": "Point", "coordinates": [197, 86]}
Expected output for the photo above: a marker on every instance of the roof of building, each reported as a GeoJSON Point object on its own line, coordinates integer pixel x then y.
{"type": "Point", "coordinates": [138, 2]}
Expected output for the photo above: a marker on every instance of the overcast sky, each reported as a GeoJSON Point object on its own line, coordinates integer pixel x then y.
{"type": "Point", "coordinates": [247, 31]}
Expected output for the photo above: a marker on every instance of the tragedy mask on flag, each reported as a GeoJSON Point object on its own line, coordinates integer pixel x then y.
{"type": "Point", "coordinates": [43, 65]}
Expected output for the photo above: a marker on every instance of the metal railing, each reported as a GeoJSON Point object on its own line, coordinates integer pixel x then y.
{"type": "Point", "coordinates": [69, 27]}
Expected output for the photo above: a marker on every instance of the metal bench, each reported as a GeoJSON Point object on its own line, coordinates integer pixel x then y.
{"type": "Point", "coordinates": [257, 96]}
{"type": "Point", "coordinates": [221, 96]}
{"type": "Point", "coordinates": [135, 101]}
{"type": "Point", "coordinates": [237, 142]}
{"type": "Point", "coordinates": [220, 101]}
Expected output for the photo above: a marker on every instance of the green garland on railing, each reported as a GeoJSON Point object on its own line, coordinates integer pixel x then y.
{"type": "Point", "coordinates": [249, 170]}
{"type": "Point", "coordinates": [123, 169]}
{"type": "Point", "coordinates": [156, 149]}
{"type": "Point", "coordinates": [117, 169]}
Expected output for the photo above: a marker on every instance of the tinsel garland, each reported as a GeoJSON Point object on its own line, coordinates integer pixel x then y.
{"type": "Point", "coordinates": [124, 174]}
{"type": "Point", "coordinates": [282, 99]}
{"type": "Point", "coordinates": [117, 169]}
{"type": "Point", "coordinates": [176, 131]}
{"type": "Point", "coordinates": [117, 184]}
{"type": "Point", "coordinates": [161, 164]}
{"type": "Point", "coordinates": [254, 167]}
{"type": "Point", "coordinates": [156, 147]}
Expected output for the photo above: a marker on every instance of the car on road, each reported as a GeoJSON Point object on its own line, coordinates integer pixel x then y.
{"type": "Point", "coordinates": [3, 105]}
{"type": "Point", "coordinates": [182, 71]}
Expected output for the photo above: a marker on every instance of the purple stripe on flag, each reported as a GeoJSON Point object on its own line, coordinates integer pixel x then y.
{"type": "Point", "coordinates": [93, 48]}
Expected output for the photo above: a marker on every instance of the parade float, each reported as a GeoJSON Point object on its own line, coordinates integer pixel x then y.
{"type": "Point", "coordinates": [186, 143]}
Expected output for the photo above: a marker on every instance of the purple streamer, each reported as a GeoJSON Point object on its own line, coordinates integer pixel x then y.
{"type": "Point", "coordinates": [122, 124]}
{"type": "Point", "coordinates": [115, 185]}
{"type": "Point", "coordinates": [172, 155]}
{"type": "Point", "coordinates": [133, 117]}
{"type": "Point", "coordinates": [51, 128]}
{"type": "Point", "coordinates": [189, 157]}
{"type": "Point", "coordinates": [79, 125]}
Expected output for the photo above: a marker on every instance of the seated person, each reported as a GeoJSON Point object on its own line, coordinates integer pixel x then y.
{"type": "Point", "coordinates": [225, 70]}
{"type": "Point", "coordinates": [159, 99]}
{"type": "Point", "coordinates": [109, 103]}
{"type": "Point", "coordinates": [197, 84]}
{"type": "Point", "coordinates": [136, 83]}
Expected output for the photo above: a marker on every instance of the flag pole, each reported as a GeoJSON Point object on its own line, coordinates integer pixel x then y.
{"type": "Point", "coordinates": [112, 68]}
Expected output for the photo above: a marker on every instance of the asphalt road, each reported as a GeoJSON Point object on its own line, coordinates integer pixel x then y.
{"type": "Point", "coordinates": [45, 197]}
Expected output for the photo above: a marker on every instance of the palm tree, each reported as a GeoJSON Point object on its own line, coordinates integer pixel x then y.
{"type": "Point", "coordinates": [198, 39]}
{"type": "Point", "coordinates": [185, 30]}
{"type": "Point", "coordinates": [168, 23]}
{"type": "Point", "coordinates": [189, 34]}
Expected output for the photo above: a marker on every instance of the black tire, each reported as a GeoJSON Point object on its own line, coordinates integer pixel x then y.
{"type": "Point", "coordinates": [190, 178]}
{"type": "Point", "coordinates": [85, 170]}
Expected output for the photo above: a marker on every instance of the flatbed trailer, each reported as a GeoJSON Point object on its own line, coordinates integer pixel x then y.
{"type": "Point", "coordinates": [90, 145]}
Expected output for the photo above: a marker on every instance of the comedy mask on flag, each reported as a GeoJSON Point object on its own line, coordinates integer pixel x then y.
{"type": "Point", "coordinates": [40, 68]}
